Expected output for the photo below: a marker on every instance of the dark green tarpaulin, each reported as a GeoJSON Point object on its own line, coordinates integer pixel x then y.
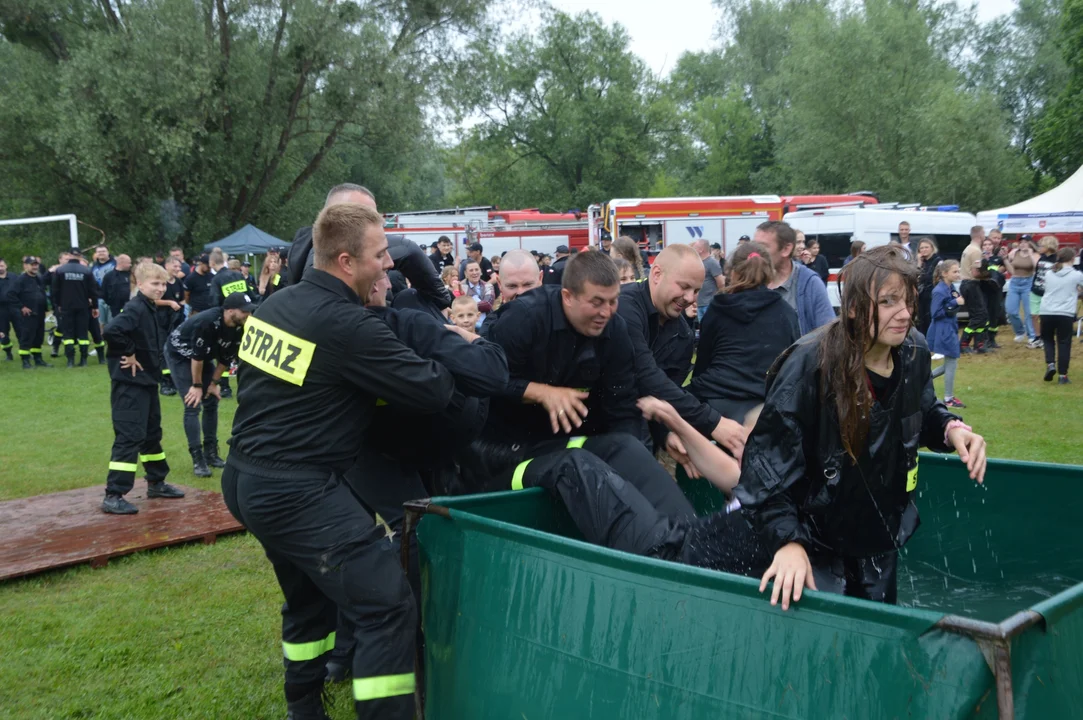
{"type": "Point", "coordinates": [524, 621]}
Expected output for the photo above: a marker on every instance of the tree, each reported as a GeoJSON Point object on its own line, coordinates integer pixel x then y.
{"type": "Point", "coordinates": [1058, 141]}
{"type": "Point", "coordinates": [165, 119]}
{"type": "Point", "coordinates": [571, 116]}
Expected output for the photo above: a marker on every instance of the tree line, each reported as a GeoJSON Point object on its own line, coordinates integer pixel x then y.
{"type": "Point", "coordinates": [178, 121]}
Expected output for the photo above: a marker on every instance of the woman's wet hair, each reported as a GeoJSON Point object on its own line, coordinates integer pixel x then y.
{"type": "Point", "coordinates": [847, 339]}
{"type": "Point", "coordinates": [748, 268]}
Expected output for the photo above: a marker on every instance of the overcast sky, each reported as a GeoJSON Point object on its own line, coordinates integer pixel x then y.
{"type": "Point", "coordinates": [661, 31]}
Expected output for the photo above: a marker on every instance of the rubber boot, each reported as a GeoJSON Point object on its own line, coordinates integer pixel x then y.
{"type": "Point", "coordinates": [10, 357]}
{"type": "Point", "coordinates": [84, 353]}
{"type": "Point", "coordinates": [26, 363]}
{"type": "Point", "coordinates": [210, 456]}
{"type": "Point", "coordinates": [69, 353]}
{"type": "Point", "coordinates": [309, 707]}
{"type": "Point", "coordinates": [38, 362]}
{"type": "Point", "coordinates": [199, 466]}
{"type": "Point", "coordinates": [101, 354]}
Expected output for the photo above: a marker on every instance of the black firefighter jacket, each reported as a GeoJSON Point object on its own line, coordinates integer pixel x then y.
{"type": "Point", "coordinates": [135, 331]}
{"type": "Point", "coordinates": [799, 485]}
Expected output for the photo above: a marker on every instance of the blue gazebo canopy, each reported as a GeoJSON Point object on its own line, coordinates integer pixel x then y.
{"type": "Point", "coordinates": [248, 240]}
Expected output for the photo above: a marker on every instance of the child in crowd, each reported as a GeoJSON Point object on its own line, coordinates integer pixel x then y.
{"type": "Point", "coordinates": [978, 313]}
{"type": "Point", "coordinates": [1057, 311]}
{"type": "Point", "coordinates": [450, 276]}
{"type": "Point", "coordinates": [625, 270]}
{"type": "Point", "coordinates": [464, 313]}
{"type": "Point", "coordinates": [943, 334]}
{"type": "Point", "coordinates": [135, 368]}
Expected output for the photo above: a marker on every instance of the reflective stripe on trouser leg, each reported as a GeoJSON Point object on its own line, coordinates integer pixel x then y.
{"type": "Point", "coordinates": [517, 476]}
{"type": "Point", "coordinates": [577, 442]}
{"type": "Point", "coordinates": [69, 342]}
{"type": "Point", "coordinates": [383, 686]}
{"type": "Point", "coordinates": [299, 652]}
{"type": "Point", "coordinates": [24, 352]}
{"type": "Point", "coordinates": [123, 466]}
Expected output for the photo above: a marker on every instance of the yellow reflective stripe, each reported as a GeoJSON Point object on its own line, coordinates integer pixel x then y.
{"type": "Point", "coordinates": [153, 457]}
{"type": "Point", "coordinates": [517, 478]}
{"type": "Point", "coordinates": [123, 467]}
{"type": "Point", "coordinates": [84, 342]}
{"type": "Point", "coordinates": [234, 287]}
{"type": "Point", "coordinates": [23, 352]}
{"type": "Point", "coordinates": [275, 351]}
{"type": "Point", "coordinates": [165, 371]}
{"type": "Point", "coordinates": [912, 478]}
{"type": "Point", "coordinates": [276, 280]}
{"type": "Point", "coordinates": [380, 402]}
{"type": "Point", "coordinates": [374, 688]}
{"type": "Point", "coordinates": [69, 342]}
{"type": "Point", "coordinates": [299, 652]}
{"type": "Point", "coordinates": [576, 442]}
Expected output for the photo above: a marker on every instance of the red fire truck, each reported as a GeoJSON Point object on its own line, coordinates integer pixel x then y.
{"type": "Point", "coordinates": [496, 230]}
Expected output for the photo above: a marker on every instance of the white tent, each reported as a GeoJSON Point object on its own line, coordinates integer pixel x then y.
{"type": "Point", "coordinates": [1059, 210]}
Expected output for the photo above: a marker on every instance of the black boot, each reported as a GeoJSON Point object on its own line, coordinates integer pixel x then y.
{"type": "Point", "coordinates": [309, 707]}
{"type": "Point", "coordinates": [162, 489]}
{"type": "Point", "coordinates": [71, 358]}
{"type": "Point", "coordinates": [211, 457]}
{"type": "Point", "coordinates": [338, 669]}
{"type": "Point", "coordinates": [117, 505]}
{"type": "Point", "coordinates": [223, 386]}
{"type": "Point", "coordinates": [199, 467]}
{"type": "Point", "coordinates": [101, 354]}
{"type": "Point", "coordinates": [84, 352]}
{"type": "Point", "coordinates": [26, 363]}
{"type": "Point", "coordinates": [38, 362]}
{"type": "Point", "coordinates": [7, 351]}
{"type": "Point", "coordinates": [167, 388]}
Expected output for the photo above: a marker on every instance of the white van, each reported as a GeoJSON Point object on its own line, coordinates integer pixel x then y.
{"type": "Point", "coordinates": [836, 228]}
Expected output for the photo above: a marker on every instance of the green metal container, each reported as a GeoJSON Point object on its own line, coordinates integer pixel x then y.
{"type": "Point", "coordinates": [524, 621]}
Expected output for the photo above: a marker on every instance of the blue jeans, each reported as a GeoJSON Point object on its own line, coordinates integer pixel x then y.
{"type": "Point", "coordinates": [1019, 296]}
{"type": "Point", "coordinates": [104, 313]}
{"type": "Point", "coordinates": [700, 312]}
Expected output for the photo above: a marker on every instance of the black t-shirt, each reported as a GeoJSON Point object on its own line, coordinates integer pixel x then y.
{"type": "Point", "coordinates": [174, 291]}
{"type": "Point", "coordinates": [882, 387]}
{"type": "Point", "coordinates": [199, 289]}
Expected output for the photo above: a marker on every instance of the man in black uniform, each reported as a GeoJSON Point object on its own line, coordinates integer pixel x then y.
{"type": "Point", "coordinates": [227, 280]}
{"type": "Point", "coordinates": [572, 384]}
{"type": "Point", "coordinates": [556, 270]}
{"type": "Point", "coordinates": [197, 286]}
{"type": "Point", "coordinates": [313, 363]}
{"type": "Point", "coordinates": [117, 285]}
{"type": "Point", "coordinates": [191, 352]}
{"type": "Point", "coordinates": [30, 297]}
{"type": "Point", "coordinates": [75, 295]}
{"type": "Point", "coordinates": [300, 254]}
{"type": "Point", "coordinates": [391, 468]}
{"type": "Point", "coordinates": [170, 315]}
{"type": "Point", "coordinates": [9, 310]}
{"type": "Point", "coordinates": [653, 310]}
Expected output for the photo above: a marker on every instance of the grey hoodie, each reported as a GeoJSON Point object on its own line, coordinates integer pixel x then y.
{"type": "Point", "coordinates": [1061, 290]}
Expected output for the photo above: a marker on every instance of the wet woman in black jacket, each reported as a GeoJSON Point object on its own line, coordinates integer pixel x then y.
{"type": "Point", "coordinates": [747, 327]}
{"type": "Point", "coordinates": [830, 468]}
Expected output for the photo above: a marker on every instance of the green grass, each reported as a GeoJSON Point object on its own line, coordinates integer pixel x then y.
{"type": "Point", "coordinates": [192, 631]}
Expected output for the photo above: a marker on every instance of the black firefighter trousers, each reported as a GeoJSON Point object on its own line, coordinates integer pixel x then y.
{"type": "Point", "coordinates": [611, 512]}
{"type": "Point", "coordinates": [137, 425]}
{"type": "Point", "coordinates": [329, 555]}
{"type": "Point", "coordinates": [74, 326]}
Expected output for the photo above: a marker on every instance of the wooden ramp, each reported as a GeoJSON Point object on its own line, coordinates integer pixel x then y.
{"type": "Point", "coordinates": [68, 528]}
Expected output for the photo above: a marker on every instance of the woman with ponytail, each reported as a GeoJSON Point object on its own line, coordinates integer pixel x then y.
{"type": "Point", "coordinates": [747, 328]}
{"type": "Point", "coordinates": [830, 469]}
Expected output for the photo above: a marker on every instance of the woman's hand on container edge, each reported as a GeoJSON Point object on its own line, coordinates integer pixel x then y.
{"type": "Point", "coordinates": [792, 573]}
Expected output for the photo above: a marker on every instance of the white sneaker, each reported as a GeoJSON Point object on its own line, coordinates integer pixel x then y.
{"type": "Point", "coordinates": [1020, 338]}
{"type": "Point", "coordinates": [1035, 343]}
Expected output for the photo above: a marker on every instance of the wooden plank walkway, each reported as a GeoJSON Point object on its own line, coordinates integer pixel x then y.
{"type": "Point", "coordinates": [68, 528]}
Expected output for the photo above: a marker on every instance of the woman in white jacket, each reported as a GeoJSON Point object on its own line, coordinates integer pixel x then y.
{"type": "Point", "coordinates": [1062, 286]}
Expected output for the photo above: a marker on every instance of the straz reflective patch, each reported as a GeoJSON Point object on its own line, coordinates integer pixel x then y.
{"type": "Point", "coordinates": [275, 351]}
{"type": "Point", "coordinates": [912, 478]}
{"type": "Point", "coordinates": [234, 287]}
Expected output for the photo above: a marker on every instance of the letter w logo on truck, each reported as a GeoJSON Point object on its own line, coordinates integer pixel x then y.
{"type": "Point", "coordinates": [275, 351]}
{"type": "Point", "coordinates": [696, 231]}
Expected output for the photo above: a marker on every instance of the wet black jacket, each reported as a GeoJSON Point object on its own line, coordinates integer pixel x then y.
{"type": "Point", "coordinates": [313, 362]}
{"type": "Point", "coordinates": [741, 337]}
{"type": "Point", "coordinates": [541, 346]}
{"type": "Point", "coordinates": [480, 370]}
{"type": "Point", "coordinates": [117, 289]}
{"type": "Point", "coordinates": [226, 282]}
{"type": "Point", "coordinates": [135, 330]}
{"type": "Point", "coordinates": [663, 356]}
{"type": "Point", "coordinates": [799, 485]}
{"type": "Point", "coordinates": [30, 293]}
{"type": "Point", "coordinates": [74, 287]}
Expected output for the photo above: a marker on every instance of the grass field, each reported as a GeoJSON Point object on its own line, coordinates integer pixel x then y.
{"type": "Point", "coordinates": [192, 631]}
